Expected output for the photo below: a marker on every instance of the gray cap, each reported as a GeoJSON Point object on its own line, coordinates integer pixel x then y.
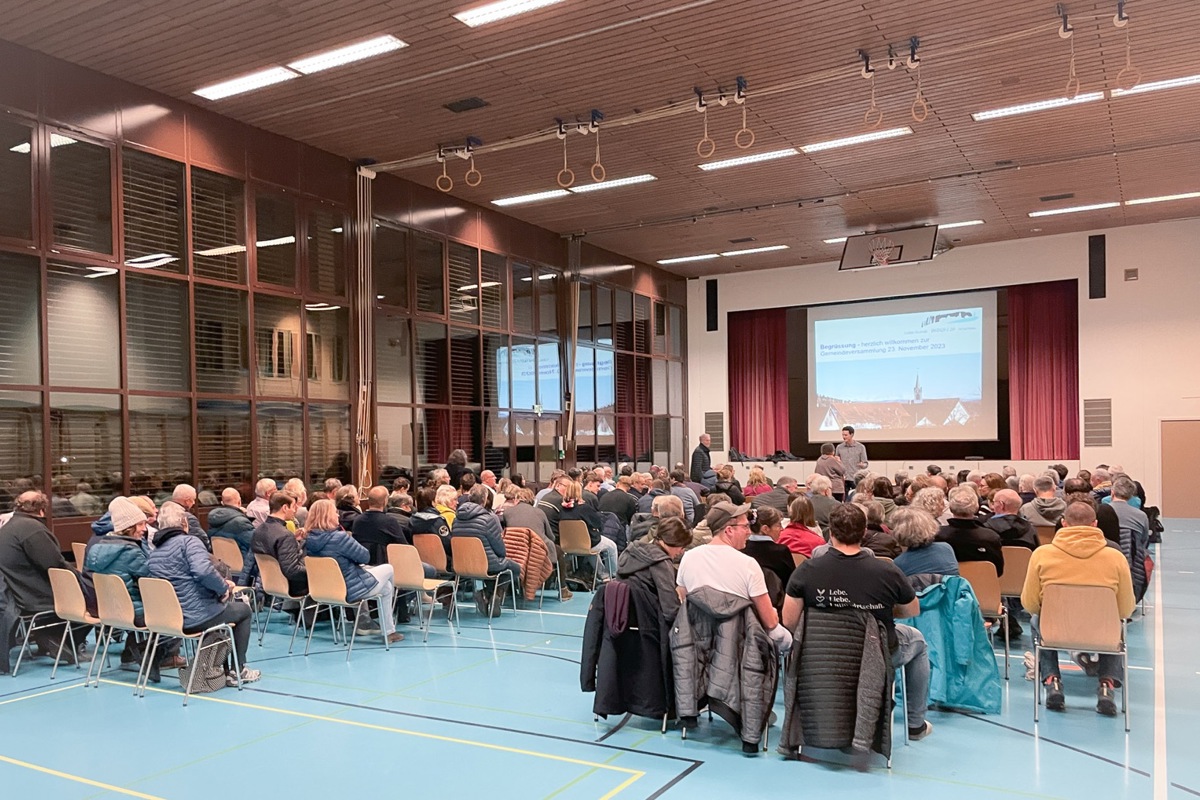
{"type": "Point", "coordinates": [720, 515]}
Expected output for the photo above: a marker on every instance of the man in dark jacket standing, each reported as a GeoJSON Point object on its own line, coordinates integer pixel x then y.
{"type": "Point", "coordinates": [849, 577]}
{"type": "Point", "coordinates": [28, 551]}
{"type": "Point", "coordinates": [970, 538]}
{"type": "Point", "coordinates": [272, 538]}
{"type": "Point", "coordinates": [701, 471]}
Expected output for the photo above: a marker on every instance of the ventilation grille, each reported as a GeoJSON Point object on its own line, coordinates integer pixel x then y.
{"type": "Point", "coordinates": [1097, 423]}
{"type": "Point", "coordinates": [714, 426]}
{"type": "Point", "coordinates": [1050, 198]}
{"type": "Point", "coordinates": [1131, 274]}
{"type": "Point", "coordinates": [466, 104]}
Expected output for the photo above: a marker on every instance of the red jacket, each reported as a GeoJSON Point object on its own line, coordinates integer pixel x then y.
{"type": "Point", "coordinates": [800, 539]}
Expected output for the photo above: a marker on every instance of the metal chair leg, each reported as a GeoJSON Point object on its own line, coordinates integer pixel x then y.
{"type": "Point", "coordinates": [1004, 622]}
{"type": "Point", "coordinates": [69, 633]}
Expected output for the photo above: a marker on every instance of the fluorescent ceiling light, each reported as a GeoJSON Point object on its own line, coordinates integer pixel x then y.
{"type": "Point", "coordinates": [838, 240]}
{"type": "Point", "coordinates": [320, 307]}
{"type": "Point", "coordinates": [56, 140]}
{"type": "Point", "coordinates": [470, 287]}
{"type": "Point", "coordinates": [151, 261]}
{"type": "Point", "coordinates": [966, 224]}
{"type": "Point", "coordinates": [493, 12]}
{"type": "Point", "coordinates": [101, 272]}
{"type": "Point", "coordinates": [751, 250]}
{"type": "Point", "coordinates": [227, 250]}
{"type": "Point", "coordinates": [536, 197]}
{"type": "Point", "coordinates": [339, 230]}
{"type": "Point", "coordinates": [770, 155]}
{"type": "Point", "coordinates": [348, 54]}
{"type": "Point", "coordinates": [380, 296]}
{"type": "Point", "coordinates": [1040, 105]}
{"type": "Point", "coordinates": [1073, 209]}
{"type": "Point", "coordinates": [862, 138]}
{"type": "Point", "coordinates": [276, 242]}
{"type": "Point", "coordinates": [1162, 199]}
{"type": "Point", "coordinates": [547, 276]}
{"type": "Point", "coordinates": [685, 259]}
{"type": "Point", "coordinates": [247, 83]}
{"type": "Point", "coordinates": [613, 184]}
{"type": "Point", "coordinates": [1154, 86]}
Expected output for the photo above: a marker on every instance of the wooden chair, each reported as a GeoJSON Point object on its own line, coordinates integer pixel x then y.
{"type": "Point", "coordinates": [798, 558]}
{"type": "Point", "coordinates": [114, 606]}
{"type": "Point", "coordinates": [429, 546]}
{"type": "Point", "coordinates": [275, 586]}
{"type": "Point", "coordinates": [1083, 618]}
{"type": "Point", "coordinates": [986, 585]}
{"type": "Point", "coordinates": [327, 587]}
{"type": "Point", "coordinates": [1045, 534]}
{"type": "Point", "coordinates": [79, 550]}
{"type": "Point", "coordinates": [69, 606]}
{"type": "Point", "coordinates": [1016, 565]}
{"type": "Point", "coordinates": [228, 551]}
{"type": "Point", "coordinates": [574, 540]}
{"type": "Point", "coordinates": [409, 576]}
{"type": "Point", "coordinates": [470, 561]}
{"type": "Point", "coordinates": [164, 617]}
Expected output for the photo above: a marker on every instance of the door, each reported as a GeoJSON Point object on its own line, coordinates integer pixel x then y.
{"type": "Point", "coordinates": [533, 443]}
{"type": "Point", "coordinates": [1180, 446]}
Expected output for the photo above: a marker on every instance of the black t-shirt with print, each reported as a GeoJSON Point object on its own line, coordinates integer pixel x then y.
{"type": "Point", "coordinates": [835, 580]}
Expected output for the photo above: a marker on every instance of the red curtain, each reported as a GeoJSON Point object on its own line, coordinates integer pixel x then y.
{"type": "Point", "coordinates": [1043, 370]}
{"type": "Point", "coordinates": [758, 381]}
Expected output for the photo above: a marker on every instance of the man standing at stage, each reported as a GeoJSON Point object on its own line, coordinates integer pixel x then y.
{"type": "Point", "coordinates": [853, 454]}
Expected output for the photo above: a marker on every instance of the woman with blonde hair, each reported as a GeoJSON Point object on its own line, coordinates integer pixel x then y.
{"type": "Point", "coordinates": [756, 484]}
{"type": "Point", "coordinates": [325, 538]}
{"type": "Point", "coordinates": [574, 507]}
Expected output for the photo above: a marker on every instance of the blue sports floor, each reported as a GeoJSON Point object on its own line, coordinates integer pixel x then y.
{"type": "Point", "coordinates": [498, 713]}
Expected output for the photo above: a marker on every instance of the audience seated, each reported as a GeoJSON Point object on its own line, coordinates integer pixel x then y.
{"type": "Point", "coordinates": [230, 521]}
{"type": "Point", "coordinates": [1046, 508]}
{"type": "Point", "coordinates": [779, 498]}
{"type": "Point", "coordinates": [1078, 556]}
{"type": "Point", "coordinates": [916, 530]}
{"type": "Point", "coordinates": [848, 578]}
{"type": "Point", "coordinates": [823, 500]}
{"type": "Point", "coordinates": [1014, 530]}
{"type": "Point", "coordinates": [882, 492]}
{"type": "Point", "coordinates": [775, 559]}
{"type": "Point", "coordinates": [799, 536]}
{"type": "Point", "coordinates": [375, 528]}
{"type": "Point", "coordinates": [756, 483]}
{"type": "Point", "coordinates": [324, 537]}
{"type": "Point", "coordinates": [1135, 530]}
{"type": "Point", "coordinates": [971, 540]}
{"type": "Point", "coordinates": [348, 509]}
{"type": "Point", "coordinates": [575, 508]}
{"type": "Point", "coordinates": [474, 519]}
{"type": "Point", "coordinates": [260, 507]}
{"type": "Point", "coordinates": [645, 526]}
{"type": "Point", "coordinates": [691, 500]}
{"type": "Point", "coordinates": [620, 501]}
{"type": "Point", "coordinates": [273, 538]}
{"type": "Point", "coordinates": [878, 539]}
{"type": "Point", "coordinates": [728, 485]}
{"type": "Point", "coordinates": [653, 564]}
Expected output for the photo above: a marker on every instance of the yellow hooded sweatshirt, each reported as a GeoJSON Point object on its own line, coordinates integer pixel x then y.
{"type": "Point", "coordinates": [1078, 556]}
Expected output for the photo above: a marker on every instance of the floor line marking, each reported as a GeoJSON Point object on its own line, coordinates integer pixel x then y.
{"type": "Point", "coordinates": [78, 779]}
{"type": "Point", "coordinates": [402, 731]}
{"type": "Point", "coordinates": [1160, 690]}
{"type": "Point", "coordinates": [581, 777]}
{"type": "Point", "coordinates": [41, 694]}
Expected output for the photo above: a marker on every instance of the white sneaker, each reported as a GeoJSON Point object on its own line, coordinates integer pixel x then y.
{"type": "Point", "coordinates": [248, 676]}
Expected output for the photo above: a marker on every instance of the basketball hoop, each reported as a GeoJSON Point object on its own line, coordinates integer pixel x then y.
{"type": "Point", "coordinates": [881, 250]}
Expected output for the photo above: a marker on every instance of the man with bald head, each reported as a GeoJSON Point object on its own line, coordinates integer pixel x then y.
{"type": "Point", "coordinates": [185, 495]}
{"type": "Point", "coordinates": [1014, 530]}
{"type": "Point", "coordinates": [375, 529]}
{"type": "Point", "coordinates": [229, 521]}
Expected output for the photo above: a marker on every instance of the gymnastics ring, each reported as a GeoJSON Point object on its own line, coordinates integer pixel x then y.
{"type": "Point", "coordinates": [568, 180]}
{"type": "Point", "coordinates": [445, 183]}
{"type": "Point", "coordinates": [706, 147]}
{"type": "Point", "coordinates": [598, 168]}
{"type": "Point", "coordinates": [1072, 88]}
{"type": "Point", "coordinates": [1137, 78]}
{"type": "Point", "coordinates": [737, 138]}
{"type": "Point", "coordinates": [923, 106]}
{"type": "Point", "coordinates": [469, 181]}
{"type": "Point", "coordinates": [873, 113]}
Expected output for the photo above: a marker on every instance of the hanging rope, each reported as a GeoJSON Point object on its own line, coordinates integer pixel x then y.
{"type": "Point", "coordinates": [1072, 78]}
{"type": "Point", "coordinates": [598, 171]}
{"type": "Point", "coordinates": [444, 181]}
{"type": "Point", "coordinates": [473, 177]}
{"type": "Point", "coordinates": [706, 146]}
{"type": "Point", "coordinates": [874, 116]}
{"type": "Point", "coordinates": [565, 176]}
{"type": "Point", "coordinates": [1129, 76]}
{"type": "Point", "coordinates": [920, 106]}
{"type": "Point", "coordinates": [744, 138]}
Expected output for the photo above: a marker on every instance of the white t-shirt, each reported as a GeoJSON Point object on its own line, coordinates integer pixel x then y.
{"type": "Point", "coordinates": [720, 567]}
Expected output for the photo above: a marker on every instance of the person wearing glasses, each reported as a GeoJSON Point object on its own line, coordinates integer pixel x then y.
{"type": "Point", "coordinates": [721, 565]}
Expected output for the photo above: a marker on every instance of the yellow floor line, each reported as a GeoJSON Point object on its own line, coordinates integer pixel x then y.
{"type": "Point", "coordinates": [41, 694]}
{"type": "Point", "coordinates": [580, 778]}
{"type": "Point", "coordinates": [76, 778]}
{"type": "Point", "coordinates": [417, 734]}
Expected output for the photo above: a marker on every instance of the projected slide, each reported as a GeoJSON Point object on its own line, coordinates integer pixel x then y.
{"type": "Point", "coordinates": [905, 370]}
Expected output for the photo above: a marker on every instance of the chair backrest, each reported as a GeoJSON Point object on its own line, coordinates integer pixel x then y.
{"type": "Point", "coordinates": [406, 566]}
{"type": "Point", "coordinates": [274, 582]}
{"type": "Point", "coordinates": [433, 553]}
{"type": "Point", "coordinates": [573, 537]}
{"type": "Point", "coordinates": [326, 584]}
{"type": "Point", "coordinates": [1082, 618]}
{"type": "Point", "coordinates": [798, 558]}
{"type": "Point", "coordinates": [114, 606]}
{"type": "Point", "coordinates": [985, 583]}
{"type": "Point", "coordinates": [1016, 564]}
{"type": "Point", "coordinates": [68, 596]}
{"type": "Point", "coordinates": [470, 559]}
{"type": "Point", "coordinates": [79, 550]}
{"type": "Point", "coordinates": [1045, 533]}
{"type": "Point", "coordinates": [160, 605]}
{"type": "Point", "coordinates": [228, 551]}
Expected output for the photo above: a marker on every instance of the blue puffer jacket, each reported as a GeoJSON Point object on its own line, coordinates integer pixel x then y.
{"type": "Point", "coordinates": [963, 671]}
{"type": "Point", "coordinates": [182, 560]}
{"type": "Point", "coordinates": [103, 525]}
{"type": "Point", "coordinates": [475, 520]}
{"type": "Point", "coordinates": [123, 556]}
{"type": "Point", "coordinates": [232, 523]}
{"type": "Point", "coordinates": [349, 554]}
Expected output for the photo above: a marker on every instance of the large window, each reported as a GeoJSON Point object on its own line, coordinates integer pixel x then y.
{"type": "Point", "coordinates": [20, 445]}
{"type": "Point", "coordinates": [390, 267]}
{"type": "Point", "coordinates": [218, 226]}
{"type": "Point", "coordinates": [83, 326]}
{"type": "Point", "coordinates": [153, 205]}
{"type": "Point", "coordinates": [160, 442]}
{"type": "Point", "coordinates": [85, 448]}
{"type": "Point", "coordinates": [275, 238]}
{"type": "Point", "coordinates": [20, 320]}
{"type": "Point", "coordinates": [428, 255]}
{"type": "Point", "coordinates": [277, 346]}
{"type": "Point", "coordinates": [156, 322]}
{"type": "Point", "coordinates": [223, 445]}
{"type": "Point", "coordinates": [81, 194]}
{"type": "Point", "coordinates": [326, 251]}
{"type": "Point", "coordinates": [222, 336]}
{"type": "Point", "coordinates": [16, 184]}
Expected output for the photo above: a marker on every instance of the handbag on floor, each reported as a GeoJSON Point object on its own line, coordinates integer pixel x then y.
{"type": "Point", "coordinates": [209, 664]}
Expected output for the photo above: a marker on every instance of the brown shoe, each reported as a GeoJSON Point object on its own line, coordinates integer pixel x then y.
{"type": "Point", "coordinates": [395, 637]}
{"type": "Point", "coordinates": [174, 662]}
{"type": "Point", "coordinates": [565, 594]}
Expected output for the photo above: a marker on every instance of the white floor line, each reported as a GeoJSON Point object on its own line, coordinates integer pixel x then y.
{"type": "Point", "coordinates": [557, 613]}
{"type": "Point", "coordinates": [1160, 690]}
